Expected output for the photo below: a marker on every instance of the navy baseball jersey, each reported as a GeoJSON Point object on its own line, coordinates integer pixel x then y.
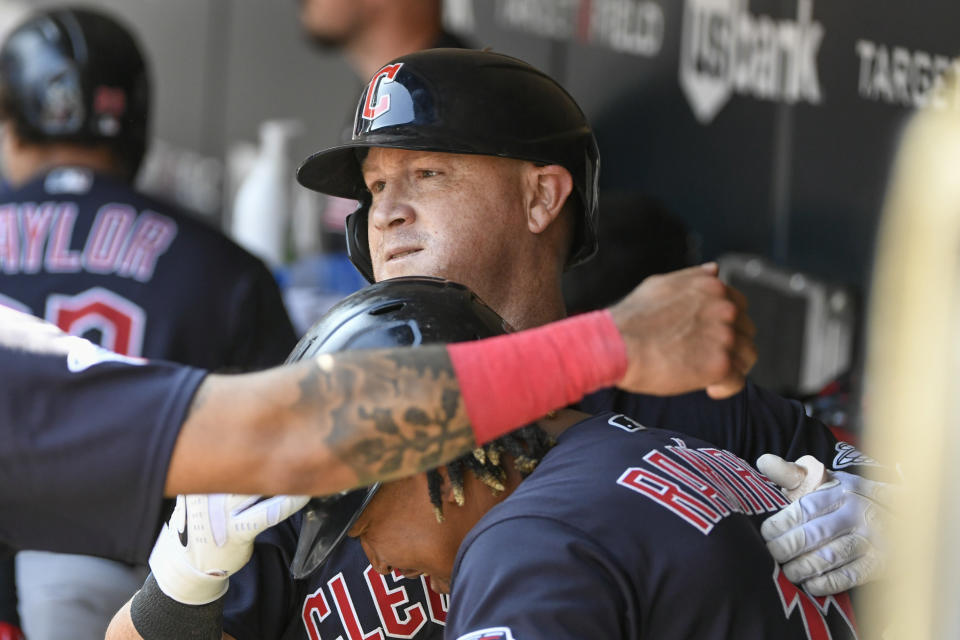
{"type": "Point", "coordinates": [750, 423]}
{"type": "Point", "coordinates": [344, 599]}
{"type": "Point", "coordinates": [92, 256]}
{"type": "Point", "coordinates": [628, 532]}
{"type": "Point", "coordinates": [81, 471]}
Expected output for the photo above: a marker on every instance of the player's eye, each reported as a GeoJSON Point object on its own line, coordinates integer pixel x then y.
{"type": "Point", "coordinates": [376, 186]}
{"type": "Point", "coordinates": [427, 173]}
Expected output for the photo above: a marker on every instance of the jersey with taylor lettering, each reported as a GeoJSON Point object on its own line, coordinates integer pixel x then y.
{"type": "Point", "coordinates": [92, 256]}
{"type": "Point", "coordinates": [344, 599]}
{"type": "Point", "coordinates": [627, 532]}
{"type": "Point", "coordinates": [80, 471]}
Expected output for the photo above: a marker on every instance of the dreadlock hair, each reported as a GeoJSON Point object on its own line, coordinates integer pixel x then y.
{"type": "Point", "coordinates": [527, 446]}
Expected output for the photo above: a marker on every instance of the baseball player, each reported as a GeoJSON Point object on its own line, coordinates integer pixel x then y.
{"type": "Point", "coordinates": [477, 167]}
{"type": "Point", "coordinates": [86, 251]}
{"type": "Point", "coordinates": [660, 540]}
{"type": "Point", "coordinates": [347, 598]}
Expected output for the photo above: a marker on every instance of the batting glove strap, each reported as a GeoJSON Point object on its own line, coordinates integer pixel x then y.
{"type": "Point", "coordinates": [178, 578]}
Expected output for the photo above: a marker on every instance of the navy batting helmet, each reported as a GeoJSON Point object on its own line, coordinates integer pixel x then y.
{"type": "Point", "coordinates": [77, 75]}
{"type": "Point", "coordinates": [462, 101]}
{"type": "Point", "coordinates": [401, 312]}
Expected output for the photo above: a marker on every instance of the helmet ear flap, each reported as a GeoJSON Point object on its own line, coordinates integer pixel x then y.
{"type": "Point", "coordinates": [358, 243]}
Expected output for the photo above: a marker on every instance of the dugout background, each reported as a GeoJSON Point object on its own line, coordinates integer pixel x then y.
{"type": "Point", "coordinates": [768, 126]}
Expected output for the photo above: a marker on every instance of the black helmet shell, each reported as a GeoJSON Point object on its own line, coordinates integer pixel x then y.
{"type": "Point", "coordinates": [77, 75]}
{"type": "Point", "coordinates": [400, 312]}
{"type": "Point", "coordinates": [462, 101]}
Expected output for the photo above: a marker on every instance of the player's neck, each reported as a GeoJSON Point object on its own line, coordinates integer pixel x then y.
{"type": "Point", "coordinates": [533, 300]}
{"type": "Point", "coordinates": [532, 312]}
{"type": "Point", "coordinates": [556, 422]}
{"type": "Point", "coordinates": [37, 159]}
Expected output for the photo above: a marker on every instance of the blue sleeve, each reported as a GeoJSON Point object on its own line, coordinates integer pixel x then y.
{"type": "Point", "coordinates": [86, 449]}
{"type": "Point", "coordinates": [538, 578]}
{"type": "Point", "coordinates": [751, 423]}
{"type": "Point", "coordinates": [261, 601]}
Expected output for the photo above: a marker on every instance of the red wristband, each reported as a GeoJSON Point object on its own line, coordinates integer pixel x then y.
{"type": "Point", "coordinates": [10, 632]}
{"type": "Point", "coordinates": [509, 381]}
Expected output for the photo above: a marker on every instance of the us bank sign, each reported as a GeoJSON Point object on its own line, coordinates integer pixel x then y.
{"type": "Point", "coordinates": [726, 50]}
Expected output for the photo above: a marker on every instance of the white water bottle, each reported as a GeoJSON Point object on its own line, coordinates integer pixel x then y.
{"type": "Point", "coordinates": [261, 210]}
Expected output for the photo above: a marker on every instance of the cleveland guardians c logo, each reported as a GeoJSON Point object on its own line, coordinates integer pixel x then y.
{"type": "Point", "coordinates": [387, 74]}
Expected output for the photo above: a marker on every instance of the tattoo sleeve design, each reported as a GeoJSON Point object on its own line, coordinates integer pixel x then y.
{"type": "Point", "coordinates": [389, 413]}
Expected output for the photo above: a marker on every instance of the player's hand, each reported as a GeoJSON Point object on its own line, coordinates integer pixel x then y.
{"type": "Point", "coordinates": [685, 331]}
{"type": "Point", "coordinates": [831, 538]}
{"type": "Point", "coordinates": [210, 537]}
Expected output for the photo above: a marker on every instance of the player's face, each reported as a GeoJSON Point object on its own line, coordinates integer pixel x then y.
{"type": "Point", "coordinates": [399, 532]}
{"type": "Point", "coordinates": [332, 23]}
{"type": "Point", "coordinates": [454, 216]}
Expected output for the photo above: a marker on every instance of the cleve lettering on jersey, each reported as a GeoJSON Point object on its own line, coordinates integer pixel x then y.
{"type": "Point", "coordinates": [344, 607]}
{"type": "Point", "coordinates": [396, 619]}
{"type": "Point", "coordinates": [315, 610]}
{"type": "Point", "coordinates": [348, 612]}
{"type": "Point", "coordinates": [438, 604]}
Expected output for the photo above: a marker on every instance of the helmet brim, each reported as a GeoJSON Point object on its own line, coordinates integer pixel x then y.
{"type": "Point", "coordinates": [335, 171]}
{"type": "Point", "coordinates": [326, 522]}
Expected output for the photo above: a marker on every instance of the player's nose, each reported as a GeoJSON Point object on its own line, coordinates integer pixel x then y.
{"type": "Point", "coordinates": [378, 565]}
{"type": "Point", "coordinates": [391, 210]}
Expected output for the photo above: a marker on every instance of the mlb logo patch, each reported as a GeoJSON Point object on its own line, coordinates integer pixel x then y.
{"type": "Point", "coordinates": [493, 633]}
{"type": "Point", "coordinates": [629, 425]}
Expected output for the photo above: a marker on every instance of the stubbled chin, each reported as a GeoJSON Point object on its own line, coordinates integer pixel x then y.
{"type": "Point", "coordinates": [414, 265]}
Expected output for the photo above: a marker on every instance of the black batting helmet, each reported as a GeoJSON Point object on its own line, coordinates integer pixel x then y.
{"type": "Point", "coordinates": [77, 75]}
{"type": "Point", "coordinates": [401, 312]}
{"type": "Point", "coordinates": [462, 101]}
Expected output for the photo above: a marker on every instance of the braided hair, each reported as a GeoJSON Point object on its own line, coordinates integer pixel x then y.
{"type": "Point", "coordinates": [526, 446]}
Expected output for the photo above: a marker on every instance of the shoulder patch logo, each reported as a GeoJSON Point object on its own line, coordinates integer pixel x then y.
{"type": "Point", "coordinates": [493, 633]}
{"type": "Point", "coordinates": [621, 421]}
{"type": "Point", "coordinates": [848, 456]}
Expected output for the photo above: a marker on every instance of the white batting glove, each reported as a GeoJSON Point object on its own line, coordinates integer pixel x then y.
{"type": "Point", "coordinates": [210, 537]}
{"type": "Point", "coordinates": [830, 538]}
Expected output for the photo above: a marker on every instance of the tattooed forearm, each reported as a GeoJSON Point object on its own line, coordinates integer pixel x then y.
{"type": "Point", "coordinates": [387, 415]}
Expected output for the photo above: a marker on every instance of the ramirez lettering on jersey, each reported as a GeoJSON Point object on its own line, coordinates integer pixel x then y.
{"type": "Point", "coordinates": [704, 485]}
{"type": "Point", "coordinates": [39, 236]}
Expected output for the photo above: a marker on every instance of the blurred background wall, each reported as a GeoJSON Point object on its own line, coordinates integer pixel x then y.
{"type": "Point", "coordinates": [766, 124]}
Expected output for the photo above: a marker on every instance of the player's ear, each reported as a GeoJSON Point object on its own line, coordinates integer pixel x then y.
{"type": "Point", "coordinates": [448, 493]}
{"type": "Point", "coordinates": [548, 187]}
